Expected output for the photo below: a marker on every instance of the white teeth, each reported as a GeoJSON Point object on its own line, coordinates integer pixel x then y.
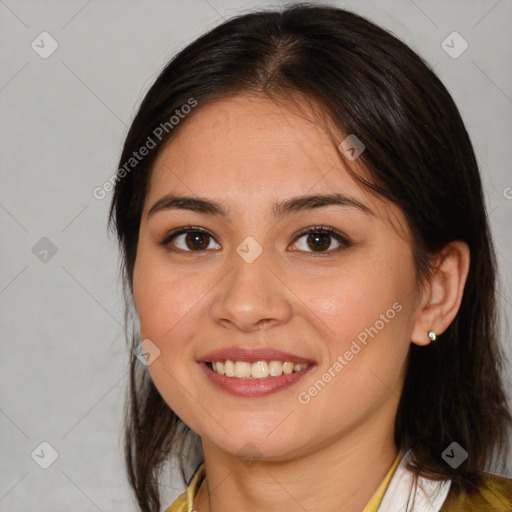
{"type": "Point", "coordinates": [242, 370]}
{"type": "Point", "coordinates": [229, 368]}
{"type": "Point", "coordinates": [257, 370]}
{"type": "Point", "coordinates": [287, 367]}
{"type": "Point", "coordinates": [275, 368]}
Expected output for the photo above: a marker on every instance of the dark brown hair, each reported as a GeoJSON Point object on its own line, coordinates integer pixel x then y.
{"type": "Point", "coordinates": [418, 155]}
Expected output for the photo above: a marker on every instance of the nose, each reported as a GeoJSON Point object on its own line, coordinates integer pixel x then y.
{"type": "Point", "coordinates": [251, 296]}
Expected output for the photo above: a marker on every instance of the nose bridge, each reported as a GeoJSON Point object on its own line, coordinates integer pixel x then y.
{"type": "Point", "coordinates": [251, 295]}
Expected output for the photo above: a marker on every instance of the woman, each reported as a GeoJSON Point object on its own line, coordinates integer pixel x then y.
{"type": "Point", "coordinates": [305, 242]}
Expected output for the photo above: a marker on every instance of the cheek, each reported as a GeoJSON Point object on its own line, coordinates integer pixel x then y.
{"type": "Point", "coordinates": [348, 302]}
{"type": "Point", "coordinates": [364, 322]}
{"type": "Point", "coordinates": [164, 299]}
{"type": "Point", "coordinates": [165, 306]}
{"type": "Point", "coordinates": [363, 312]}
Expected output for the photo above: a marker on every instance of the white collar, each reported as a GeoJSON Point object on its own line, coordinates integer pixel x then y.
{"type": "Point", "coordinates": [402, 495]}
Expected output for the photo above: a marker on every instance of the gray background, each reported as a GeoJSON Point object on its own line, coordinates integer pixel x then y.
{"type": "Point", "coordinates": [63, 119]}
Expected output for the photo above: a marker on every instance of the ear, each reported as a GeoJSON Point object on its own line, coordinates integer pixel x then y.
{"type": "Point", "coordinates": [443, 292]}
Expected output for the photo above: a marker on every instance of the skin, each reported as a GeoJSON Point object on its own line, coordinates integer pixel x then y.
{"type": "Point", "coordinates": [247, 153]}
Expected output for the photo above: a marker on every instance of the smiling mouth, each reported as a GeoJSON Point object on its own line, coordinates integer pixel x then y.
{"type": "Point", "coordinates": [257, 370]}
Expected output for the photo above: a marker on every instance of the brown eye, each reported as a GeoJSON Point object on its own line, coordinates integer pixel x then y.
{"type": "Point", "coordinates": [196, 241]}
{"type": "Point", "coordinates": [190, 240]}
{"type": "Point", "coordinates": [320, 240]}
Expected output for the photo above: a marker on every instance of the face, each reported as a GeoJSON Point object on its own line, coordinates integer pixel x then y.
{"type": "Point", "coordinates": [262, 275]}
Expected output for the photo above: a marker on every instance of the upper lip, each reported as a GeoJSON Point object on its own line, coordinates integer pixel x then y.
{"type": "Point", "coordinates": [251, 355]}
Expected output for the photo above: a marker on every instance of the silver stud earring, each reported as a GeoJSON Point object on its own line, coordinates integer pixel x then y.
{"type": "Point", "coordinates": [432, 335]}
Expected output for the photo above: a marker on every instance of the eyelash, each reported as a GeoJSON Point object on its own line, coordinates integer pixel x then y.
{"type": "Point", "coordinates": [324, 230]}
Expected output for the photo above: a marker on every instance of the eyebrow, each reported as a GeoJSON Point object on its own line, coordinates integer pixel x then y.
{"type": "Point", "coordinates": [280, 209]}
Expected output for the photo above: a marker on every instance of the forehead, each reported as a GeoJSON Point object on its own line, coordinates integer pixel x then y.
{"type": "Point", "coordinates": [249, 152]}
{"type": "Point", "coordinates": [252, 142]}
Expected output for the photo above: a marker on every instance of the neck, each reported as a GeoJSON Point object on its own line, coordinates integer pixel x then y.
{"type": "Point", "coordinates": [342, 475]}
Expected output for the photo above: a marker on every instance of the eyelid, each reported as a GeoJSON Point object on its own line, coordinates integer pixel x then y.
{"type": "Point", "coordinates": [321, 229]}
{"type": "Point", "coordinates": [184, 230]}
{"type": "Point", "coordinates": [339, 236]}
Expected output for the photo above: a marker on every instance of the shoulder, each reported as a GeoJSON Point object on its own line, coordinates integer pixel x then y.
{"type": "Point", "coordinates": [493, 493]}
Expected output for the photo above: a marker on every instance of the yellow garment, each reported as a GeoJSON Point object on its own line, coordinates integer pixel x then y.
{"type": "Point", "coordinates": [375, 500]}
{"type": "Point", "coordinates": [494, 494]}
{"type": "Point", "coordinates": [184, 502]}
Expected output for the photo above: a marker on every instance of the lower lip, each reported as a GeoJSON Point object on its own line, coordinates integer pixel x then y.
{"type": "Point", "coordinates": [254, 387]}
